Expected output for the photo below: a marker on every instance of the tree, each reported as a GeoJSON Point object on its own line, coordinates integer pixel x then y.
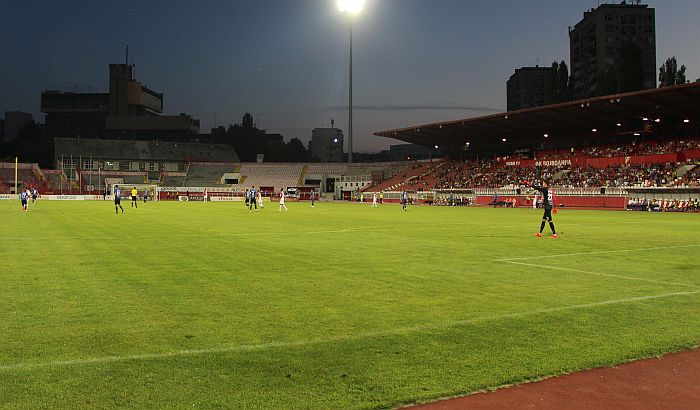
{"type": "Point", "coordinates": [563, 82]}
{"type": "Point", "coordinates": [249, 141]}
{"type": "Point", "coordinates": [247, 121]}
{"type": "Point", "coordinates": [669, 74]}
{"type": "Point", "coordinates": [31, 146]}
{"type": "Point", "coordinates": [559, 84]}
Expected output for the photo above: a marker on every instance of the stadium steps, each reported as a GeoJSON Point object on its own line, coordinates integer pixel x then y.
{"type": "Point", "coordinates": [684, 169]}
{"type": "Point", "coordinates": [560, 174]}
{"type": "Point", "coordinates": [304, 170]}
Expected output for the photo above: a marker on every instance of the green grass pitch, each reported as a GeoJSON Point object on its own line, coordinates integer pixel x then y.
{"type": "Point", "coordinates": [340, 306]}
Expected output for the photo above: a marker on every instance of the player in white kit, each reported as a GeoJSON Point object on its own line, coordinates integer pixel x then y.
{"type": "Point", "coordinates": [282, 205]}
{"type": "Point", "coordinates": [260, 200]}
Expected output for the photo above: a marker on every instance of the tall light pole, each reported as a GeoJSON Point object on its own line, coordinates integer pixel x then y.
{"type": "Point", "coordinates": [352, 7]}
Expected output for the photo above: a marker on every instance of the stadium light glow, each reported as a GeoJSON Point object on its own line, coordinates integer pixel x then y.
{"type": "Point", "coordinates": [351, 6]}
{"type": "Point", "coordinates": [686, 121]}
{"type": "Point", "coordinates": [619, 124]}
{"type": "Point", "coordinates": [645, 119]}
{"type": "Point", "coordinates": [546, 135]}
{"type": "Point", "coordinates": [504, 140]}
{"type": "Point", "coordinates": [636, 134]}
{"type": "Point", "coordinates": [657, 120]}
{"type": "Point", "coordinates": [436, 147]}
{"type": "Point", "coordinates": [594, 130]}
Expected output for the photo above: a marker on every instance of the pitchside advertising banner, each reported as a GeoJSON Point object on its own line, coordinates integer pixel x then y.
{"type": "Point", "coordinates": [225, 198]}
{"type": "Point", "coordinates": [7, 196]}
{"type": "Point", "coordinates": [66, 197]}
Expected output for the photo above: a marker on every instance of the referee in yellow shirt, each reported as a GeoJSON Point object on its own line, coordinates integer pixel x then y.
{"type": "Point", "coordinates": [134, 202]}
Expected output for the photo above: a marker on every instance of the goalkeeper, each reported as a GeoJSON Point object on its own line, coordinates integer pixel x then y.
{"type": "Point", "coordinates": [549, 205]}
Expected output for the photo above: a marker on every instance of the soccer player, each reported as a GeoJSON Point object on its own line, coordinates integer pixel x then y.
{"type": "Point", "coordinates": [404, 200]}
{"type": "Point", "coordinates": [381, 198]}
{"type": "Point", "coordinates": [313, 197]}
{"type": "Point", "coordinates": [253, 200]}
{"type": "Point", "coordinates": [548, 203]}
{"type": "Point", "coordinates": [282, 205]}
{"type": "Point", "coordinates": [24, 200]}
{"type": "Point", "coordinates": [247, 197]}
{"type": "Point", "coordinates": [134, 194]}
{"type": "Point", "coordinates": [118, 200]}
{"type": "Point", "coordinates": [374, 200]}
{"type": "Point", "coordinates": [260, 200]}
{"type": "Point", "coordinates": [35, 194]}
{"type": "Point", "coordinates": [145, 196]}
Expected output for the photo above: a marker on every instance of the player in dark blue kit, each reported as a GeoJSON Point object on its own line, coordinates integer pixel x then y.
{"type": "Point", "coordinates": [35, 194]}
{"type": "Point", "coordinates": [549, 205]}
{"type": "Point", "coordinates": [404, 200]}
{"type": "Point", "coordinates": [252, 201]}
{"type": "Point", "coordinates": [118, 200]}
{"type": "Point", "coordinates": [313, 197]}
{"type": "Point", "coordinates": [24, 200]}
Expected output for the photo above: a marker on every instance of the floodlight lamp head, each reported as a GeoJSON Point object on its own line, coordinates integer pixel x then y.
{"type": "Point", "coordinates": [351, 6]}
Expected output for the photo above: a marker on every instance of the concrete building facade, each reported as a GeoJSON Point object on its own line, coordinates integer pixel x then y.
{"type": "Point", "coordinates": [599, 40]}
{"type": "Point", "coordinates": [529, 87]}
{"type": "Point", "coordinates": [129, 110]}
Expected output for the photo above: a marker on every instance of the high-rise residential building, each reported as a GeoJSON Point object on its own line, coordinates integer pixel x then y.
{"type": "Point", "coordinates": [327, 144]}
{"type": "Point", "coordinates": [613, 49]}
{"type": "Point", "coordinates": [529, 87]}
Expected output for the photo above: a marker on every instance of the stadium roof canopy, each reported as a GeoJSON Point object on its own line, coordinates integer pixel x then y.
{"type": "Point", "coordinates": [670, 105]}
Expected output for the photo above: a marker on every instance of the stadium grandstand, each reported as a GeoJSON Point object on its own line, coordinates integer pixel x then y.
{"type": "Point", "coordinates": [600, 150]}
{"type": "Point", "coordinates": [611, 151]}
{"type": "Point", "coordinates": [88, 162]}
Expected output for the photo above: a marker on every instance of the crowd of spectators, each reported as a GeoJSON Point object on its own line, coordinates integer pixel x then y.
{"type": "Point", "coordinates": [457, 175]}
{"type": "Point", "coordinates": [642, 175]}
{"type": "Point", "coordinates": [663, 205]}
{"type": "Point", "coordinates": [625, 150]}
{"type": "Point", "coordinates": [453, 200]}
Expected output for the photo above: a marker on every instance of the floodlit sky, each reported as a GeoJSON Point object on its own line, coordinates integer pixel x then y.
{"type": "Point", "coordinates": [286, 61]}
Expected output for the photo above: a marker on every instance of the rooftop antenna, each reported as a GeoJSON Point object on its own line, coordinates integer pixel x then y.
{"type": "Point", "coordinates": [126, 57]}
{"type": "Point", "coordinates": [332, 123]}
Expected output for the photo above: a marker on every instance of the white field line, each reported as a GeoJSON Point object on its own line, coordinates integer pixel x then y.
{"type": "Point", "coordinates": [599, 252]}
{"type": "Point", "coordinates": [297, 343]}
{"type": "Point", "coordinates": [207, 235]}
{"type": "Point", "coordinates": [612, 275]}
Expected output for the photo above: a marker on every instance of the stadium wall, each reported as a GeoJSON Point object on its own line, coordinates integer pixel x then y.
{"type": "Point", "coordinates": [609, 202]}
{"type": "Point", "coordinates": [582, 162]}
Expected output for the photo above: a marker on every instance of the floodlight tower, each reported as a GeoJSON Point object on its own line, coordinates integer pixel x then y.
{"type": "Point", "coordinates": [352, 7]}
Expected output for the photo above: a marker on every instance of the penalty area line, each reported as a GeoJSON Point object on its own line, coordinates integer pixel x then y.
{"type": "Point", "coordinates": [599, 252]}
{"type": "Point", "coordinates": [301, 343]}
{"type": "Point", "coordinates": [612, 275]}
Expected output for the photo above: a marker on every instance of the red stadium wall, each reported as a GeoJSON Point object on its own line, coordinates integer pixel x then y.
{"type": "Point", "coordinates": [579, 162]}
{"type": "Point", "coordinates": [692, 154]}
{"type": "Point", "coordinates": [611, 202]}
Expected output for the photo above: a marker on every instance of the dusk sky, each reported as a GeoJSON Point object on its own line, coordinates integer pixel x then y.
{"type": "Point", "coordinates": [286, 61]}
